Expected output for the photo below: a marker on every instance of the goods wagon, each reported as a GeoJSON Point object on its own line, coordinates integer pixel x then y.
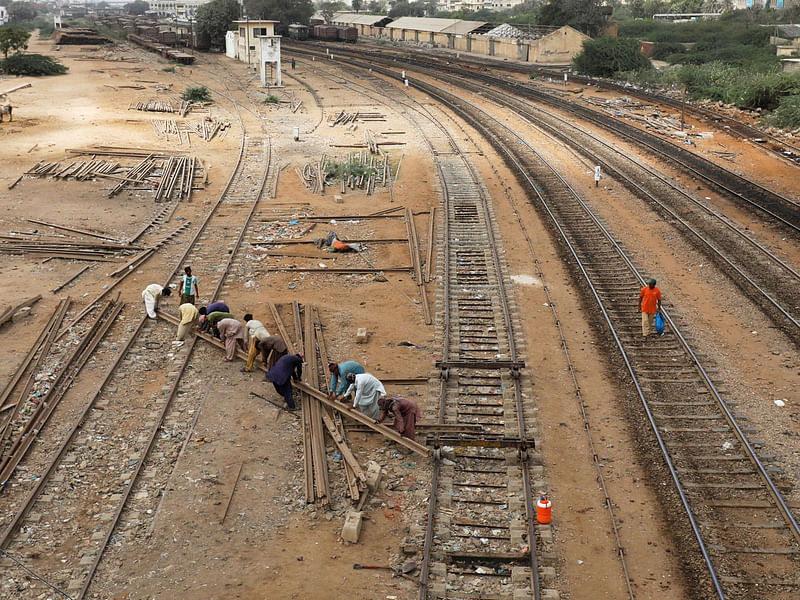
{"type": "Point", "coordinates": [298, 32]}
{"type": "Point", "coordinates": [326, 33]}
{"type": "Point", "coordinates": [347, 34]}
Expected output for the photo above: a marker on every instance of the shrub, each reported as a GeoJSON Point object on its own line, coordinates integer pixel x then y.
{"type": "Point", "coordinates": [787, 115]}
{"type": "Point", "coordinates": [168, 69]}
{"type": "Point", "coordinates": [33, 64]}
{"type": "Point", "coordinates": [197, 94]}
{"type": "Point", "coordinates": [607, 55]}
{"type": "Point", "coordinates": [667, 50]}
{"type": "Point", "coordinates": [271, 100]}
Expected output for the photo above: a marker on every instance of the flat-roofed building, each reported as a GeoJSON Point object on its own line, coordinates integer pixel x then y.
{"type": "Point", "coordinates": [255, 43]}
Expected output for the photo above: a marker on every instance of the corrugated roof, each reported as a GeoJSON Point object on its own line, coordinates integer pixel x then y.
{"type": "Point", "coordinates": [422, 24]}
{"type": "Point", "coordinates": [463, 27]}
{"type": "Point", "coordinates": [357, 18]}
{"type": "Point", "coordinates": [789, 31]}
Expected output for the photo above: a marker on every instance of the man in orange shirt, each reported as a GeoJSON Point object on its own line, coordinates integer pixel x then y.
{"type": "Point", "coordinates": [649, 305]}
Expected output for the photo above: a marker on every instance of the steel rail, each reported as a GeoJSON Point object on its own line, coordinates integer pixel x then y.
{"type": "Point", "coordinates": [174, 388]}
{"type": "Point", "coordinates": [781, 505]}
{"type": "Point", "coordinates": [639, 136]}
{"type": "Point", "coordinates": [437, 94]}
{"type": "Point", "coordinates": [7, 534]}
{"type": "Point", "coordinates": [554, 134]}
{"type": "Point", "coordinates": [425, 568]}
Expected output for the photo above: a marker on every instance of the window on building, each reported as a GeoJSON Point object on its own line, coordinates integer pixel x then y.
{"type": "Point", "coordinates": [242, 31]}
{"type": "Point", "coordinates": [259, 31]}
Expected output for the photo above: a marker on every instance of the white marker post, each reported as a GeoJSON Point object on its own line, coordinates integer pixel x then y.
{"type": "Point", "coordinates": [597, 176]}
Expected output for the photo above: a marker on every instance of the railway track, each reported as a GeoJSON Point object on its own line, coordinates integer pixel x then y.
{"type": "Point", "coordinates": [93, 487]}
{"type": "Point", "coordinates": [761, 274]}
{"type": "Point", "coordinates": [481, 540]}
{"type": "Point", "coordinates": [746, 540]}
{"type": "Point", "coordinates": [772, 206]}
{"type": "Point", "coordinates": [771, 143]}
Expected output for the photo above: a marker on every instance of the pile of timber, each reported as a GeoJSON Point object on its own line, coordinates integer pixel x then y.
{"type": "Point", "coordinates": [294, 103]}
{"type": "Point", "coordinates": [63, 247]}
{"type": "Point", "coordinates": [361, 171]}
{"type": "Point", "coordinates": [171, 176]}
{"type": "Point", "coordinates": [170, 105]}
{"type": "Point", "coordinates": [82, 37]}
{"type": "Point", "coordinates": [345, 118]}
{"type": "Point", "coordinates": [79, 170]}
{"type": "Point", "coordinates": [314, 175]}
{"type": "Point", "coordinates": [206, 129]}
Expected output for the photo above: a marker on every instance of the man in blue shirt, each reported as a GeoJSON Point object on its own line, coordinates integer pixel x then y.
{"type": "Point", "coordinates": [339, 375]}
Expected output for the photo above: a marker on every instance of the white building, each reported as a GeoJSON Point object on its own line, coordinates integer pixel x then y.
{"type": "Point", "coordinates": [256, 44]}
{"type": "Point", "coordinates": [183, 9]}
{"type": "Point", "coordinates": [3, 15]}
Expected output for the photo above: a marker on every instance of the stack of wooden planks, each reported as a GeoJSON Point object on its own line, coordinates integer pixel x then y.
{"type": "Point", "coordinates": [169, 105]}
{"type": "Point", "coordinates": [170, 176]}
{"type": "Point", "coordinates": [345, 118]}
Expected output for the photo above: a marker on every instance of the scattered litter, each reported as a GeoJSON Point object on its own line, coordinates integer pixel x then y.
{"type": "Point", "coordinates": [779, 403]}
{"type": "Point", "coordinates": [726, 446]}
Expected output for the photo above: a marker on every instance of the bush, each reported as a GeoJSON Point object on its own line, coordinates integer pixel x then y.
{"type": "Point", "coordinates": [271, 100]}
{"type": "Point", "coordinates": [32, 64]}
{"type": "Point", "coordinates": [668, 50]}
{"type": "Point", "coordinates": [787, 115]}
{"type": "Point", "coordinates": [608, 55]}
{"type": "Point", "coordinates": [197, 94]}
{"type": "Point", "coordinates": [168, 69]}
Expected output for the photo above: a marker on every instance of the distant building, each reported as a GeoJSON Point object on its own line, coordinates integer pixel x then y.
{"type": "Point", "coordinates": [775, 4]}
{"type": "Point", "coordinates": [3, 15]}
{"type": "Point", "coordinates": [182, 9]}
{"type": "Point", "coordinates": [256, 44]}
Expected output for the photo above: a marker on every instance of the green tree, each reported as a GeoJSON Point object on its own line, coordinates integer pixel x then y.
{"type": "Point", "coordinates": [13, 39]}
{"type": "Point", "coordinates": [21, 11]}
{"type": "Point", "coordinates": [285, 11]}
{"type": "Point", "coordinates": [376, 6]}
{"type": "Point", "coordinates": [588, 16]}
{"type": "Point", "coordinates": [214, 20]}
{"type": "Point", "coordinates": [608, 55]}
{"type": "Point", "coordinates": [356, 5]}
{"type": "Point", "coordinates": [407, 9]}
{"type": "Point", "coordinates": [328, 9]}
{"type": "Point", "coordinates": [137, 7]}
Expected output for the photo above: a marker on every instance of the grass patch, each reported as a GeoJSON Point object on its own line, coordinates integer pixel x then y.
{"type": "Point", "coordinates": [271, 100]}
{"type": "Point", "coordinates": [168, 69]}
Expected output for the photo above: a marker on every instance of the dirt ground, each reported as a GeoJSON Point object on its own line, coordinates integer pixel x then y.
{"type": "Point", "coordinates": [232, 522]}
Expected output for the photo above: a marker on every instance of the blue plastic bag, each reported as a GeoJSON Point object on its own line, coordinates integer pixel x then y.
{"type": "Point", "coordinates": [659, 324]}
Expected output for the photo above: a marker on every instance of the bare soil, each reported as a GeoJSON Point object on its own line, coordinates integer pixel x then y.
{"type": "Point", "coordinates": [270, 544]}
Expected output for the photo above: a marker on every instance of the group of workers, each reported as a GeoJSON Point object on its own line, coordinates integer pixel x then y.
{"type": "Point", "coordinates": [348, 379]}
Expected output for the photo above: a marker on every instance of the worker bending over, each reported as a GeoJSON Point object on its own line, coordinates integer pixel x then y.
{"type": "Point", "coordinates": [405, 412]}
{"type": "Point", "coordinates": [367, 390]}
{"type": "Point", "coordinates": [281, 374]}
{"type": "Point", "coordinates": [151, 295]}
{"type": "Point", "coordinates": [254, 332]}
{"type": "Point", "coordinates": [188, 318]}
{"type": "Point", "coordinates": [339, 373]}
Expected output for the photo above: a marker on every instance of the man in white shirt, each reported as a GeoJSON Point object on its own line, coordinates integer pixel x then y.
{"type": "Point", "coordinates": [254, 332]}
{"type": "Point", "coordinates": [150, 295]}
{"type": "Point", "coordinates": [367, 390]}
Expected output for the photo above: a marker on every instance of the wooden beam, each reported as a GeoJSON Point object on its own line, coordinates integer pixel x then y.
{"type": "Point", "coordinates": [363, 419]}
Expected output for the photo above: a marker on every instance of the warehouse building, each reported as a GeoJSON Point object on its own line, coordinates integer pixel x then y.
{"type": "Point", "coordinates": [542, 46]}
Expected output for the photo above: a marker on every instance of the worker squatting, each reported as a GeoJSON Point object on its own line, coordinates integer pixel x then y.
{"type": "Point", "coordinates": [348, 379]}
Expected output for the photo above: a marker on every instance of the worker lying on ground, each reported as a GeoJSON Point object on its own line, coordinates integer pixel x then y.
{"type": "Point", "coordinates": [254, 331]}
{"type": "Point", "coordinates": [405, 412]}
{"type": "Point", "coordinates": [231, 332]}
{"type": "Point", "coordinates": [151, 295]}
{"type": "Point", "coordinates": [331, 243]}
{"type": "Point", "coordinates": [367, 390]}
{"type": "Point", "coordinates": [339, 373]}
{"type": "Point", "coordinates": [281, 374]}
{"type": "Point", "coordinates": [272, 349]}
{"type": "Point", "coordinates": [188, 318]}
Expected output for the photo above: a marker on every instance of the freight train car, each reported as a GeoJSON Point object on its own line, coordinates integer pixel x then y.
{"type": "Point", "coordinates": [298, 32]}
{"type": "Point", "coordinates": [347, 34]}
{"type": "Point", "coordinates": [332, 33]}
